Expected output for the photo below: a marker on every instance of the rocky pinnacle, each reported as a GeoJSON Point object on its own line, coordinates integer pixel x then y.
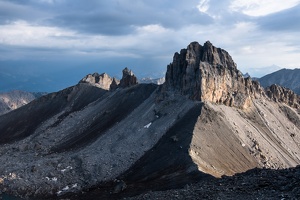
{"type": "Point", "coordinates": [207, 73]}
{"type": "Point", "coordinates": [128, 78]}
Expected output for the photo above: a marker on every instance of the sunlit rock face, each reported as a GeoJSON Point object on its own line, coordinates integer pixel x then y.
{"type": "Point", "coordinates": [207, 73]}
{"type": "Point", "coordinates": [103, 80]}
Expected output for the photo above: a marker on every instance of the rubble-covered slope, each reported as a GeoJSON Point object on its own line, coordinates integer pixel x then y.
{"type": "Point", "coordinates": [227, 140]}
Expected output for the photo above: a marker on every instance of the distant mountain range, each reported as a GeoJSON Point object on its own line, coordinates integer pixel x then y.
{"type": "Point", "coordinates": [157, 81]}
{"type": "Point", "coordinates": [289, 78]}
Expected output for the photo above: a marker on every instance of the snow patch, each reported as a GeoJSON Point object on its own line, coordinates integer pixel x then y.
{"type": "Point", "coordinates": [68, 168]}
{"type": "Point", "coordinates": [51, 179]}
{"type": "Point", "coordinates": [67, 188]}
{"type": "Point", "coordinates": [148, 125]}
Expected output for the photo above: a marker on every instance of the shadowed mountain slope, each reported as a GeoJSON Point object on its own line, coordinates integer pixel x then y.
{"type": "Point", "coordinates": [29, 117]}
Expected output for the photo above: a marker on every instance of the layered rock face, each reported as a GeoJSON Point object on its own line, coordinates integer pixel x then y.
{"type": "Point", "coordinates": [283, 95]}
{"type": "Point", "coordinates": [207, 73]}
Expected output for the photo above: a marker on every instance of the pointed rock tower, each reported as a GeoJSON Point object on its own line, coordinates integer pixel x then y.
{"type": "Point", "coordinates": [207, 73]}
{"type": "Point", "coordinates": [128, 78]}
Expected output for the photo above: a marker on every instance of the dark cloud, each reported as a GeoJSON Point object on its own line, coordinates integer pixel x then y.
{"type": "Point", "coordinates": [105, 17]}
{"type": "Point", "coordinates": [286, 20]}
{"type": "Point", "coordinates": [10, 12]}
{"type": "Point", "coordinates": [118, 23]}
{"type": "Point", "coordinates": [94, 23]}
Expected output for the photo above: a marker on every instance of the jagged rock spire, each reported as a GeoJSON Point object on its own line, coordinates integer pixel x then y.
{"type": "Point", "coordinates": [207, 73]}
{"type": "Point", "coordinates": [128, 78]}
{"type": "Point", "coordinates": [104, 81]}
{"type": "Point", "coordinates": [283, 95]}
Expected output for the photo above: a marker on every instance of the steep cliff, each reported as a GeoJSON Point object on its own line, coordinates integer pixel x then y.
{"type": "Point", "coordinates": [207, 73]}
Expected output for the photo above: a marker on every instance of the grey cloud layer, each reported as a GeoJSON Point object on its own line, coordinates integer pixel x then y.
{"type": "Point", "coordinates": [104, 17]}
{"type": "Point", "coordinates": [120, 19]}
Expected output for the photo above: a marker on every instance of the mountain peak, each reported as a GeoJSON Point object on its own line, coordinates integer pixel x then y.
{"type": "Point", "coordinates": [208, 73]}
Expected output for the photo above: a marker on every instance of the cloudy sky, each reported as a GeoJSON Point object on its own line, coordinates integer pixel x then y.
{"type": "Point", "coordinates": [68, 38]}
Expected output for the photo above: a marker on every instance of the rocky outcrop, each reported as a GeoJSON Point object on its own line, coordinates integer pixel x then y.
{"type": "Point", "coordinates": [106, 82]}
{"type": "Point", "coordinates": [14, 99]}
{"type": "Point", "coordinates": [128, 78]}
{"type": "Point", "coordinates": [283, 95]}
{"type": "Point", "coordinates": [114, 84]}
{"type": "Point", "coordinates": [103, 81]}
{"type": "Point", "coordinates": [207, 73]}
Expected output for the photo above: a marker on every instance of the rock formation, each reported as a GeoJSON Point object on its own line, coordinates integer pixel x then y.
{"type": "Point", "coordinates": [114, 84]}
{"type": "Point", "coordinates": [128, 78]}
{"type": "Point", "coordinates": [103, 81]}
{"type": "Point", "coordinates": [207, 73]}
{"type": "Point", "coordinates": [14, 99]}
{"type": "Point", "coordinates": [283, 95]}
